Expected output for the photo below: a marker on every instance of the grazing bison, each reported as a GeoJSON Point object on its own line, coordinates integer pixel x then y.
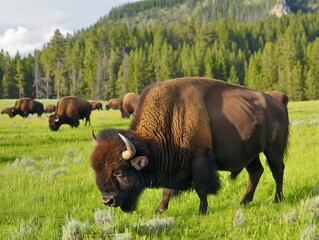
{"type": "Point", "coordinates": [114, 103]}
{"type": "Point", "coordinates": [280, 96]}
{"type": "Point", "coordinates": [183, 132]}
{"type": "Point", "coordinates": [130, 103]}
{"type": "Point", "coordinates": [50, 108]}
{"type": "Point", "coordinates": [7, 110]}
{"type": "Point", "coordinates": [69, 110]}
{"type": "Point", "coordinates": [96, 106]}
{"type": "Point", "coordinates": [26, 106]}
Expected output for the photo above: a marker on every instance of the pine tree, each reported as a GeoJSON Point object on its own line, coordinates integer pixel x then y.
{"type": "Point", "coordinates": [233, 78]}
{"type": "Point", "coordinates": [19, 75]}
{"type": "Point", "coordinates": [269, 77]}
{"type": "Point", "coordinates": [253, 75]}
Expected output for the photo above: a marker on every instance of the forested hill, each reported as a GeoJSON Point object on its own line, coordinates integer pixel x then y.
{"type": "Point", "coordinates": [168, 11]}
{"type": "Point", "coordinates": [140, 43]}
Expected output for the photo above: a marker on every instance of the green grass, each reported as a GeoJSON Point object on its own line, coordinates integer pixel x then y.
{"type": "Point", "coordinates": [47, 189]}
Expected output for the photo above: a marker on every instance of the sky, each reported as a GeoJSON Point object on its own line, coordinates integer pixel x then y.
{"type": "Point", "coordinates": [26, 25]}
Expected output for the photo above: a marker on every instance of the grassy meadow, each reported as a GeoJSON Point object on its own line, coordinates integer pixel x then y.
{"type": "Point", "coordinates": [48, 191]}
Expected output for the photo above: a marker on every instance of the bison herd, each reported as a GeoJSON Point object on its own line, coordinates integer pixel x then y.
{"type": "Point", "coordinates": [69, 110]}
{"type": "Point", "coordinates": [183, 132]}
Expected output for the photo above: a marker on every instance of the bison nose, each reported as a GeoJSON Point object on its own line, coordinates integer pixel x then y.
{"type": "Point", "coordinates": [108, 201]}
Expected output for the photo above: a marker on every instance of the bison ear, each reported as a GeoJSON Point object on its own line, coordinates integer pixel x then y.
{"type": "Point", "coordinates": [139, 162]}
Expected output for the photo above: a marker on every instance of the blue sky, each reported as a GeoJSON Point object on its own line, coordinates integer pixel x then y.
{"type": "Point", "coordinates": [26, 25]}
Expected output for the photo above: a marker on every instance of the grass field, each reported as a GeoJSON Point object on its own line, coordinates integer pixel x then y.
{"type": "Point", "coordinates": [48, 191]}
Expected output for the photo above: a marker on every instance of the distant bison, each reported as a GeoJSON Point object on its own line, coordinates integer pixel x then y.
{"type": "Point", "coordinates": [69, 110]}
{"type": "Point", "coordinates": [96, 106]}
{"type": "Point", "coordinates": [114, 103]}
{"type": "Point", "coordinates": [7, 110]}
{"type": "Point", "coordinates": [183, 132]}
{"type": "Point", "coordinates": [26, 106]}
{"type": "Point", "coordinates": [130, 103]}
{"type": "Point", "coordinates": [50, 108]}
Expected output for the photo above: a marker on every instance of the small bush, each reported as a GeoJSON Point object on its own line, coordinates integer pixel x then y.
{"type": "Point", "coordinates": [310, 233]}
{"type": "Point", "coordinates": [290, 217]}
{"type": "Point", "coordinates": [156, 225]}
{"type": "Point", "coordinates": [239, 219]}
{"type": "Point", "coordinates": [103, 216]}
{"type": "Point", "coordinates": [311, 205]}
{"type": "Point", "coordinates": [74, 229]}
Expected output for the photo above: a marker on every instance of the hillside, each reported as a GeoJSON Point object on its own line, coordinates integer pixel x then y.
{"type": "Point", "coordinates": [169, 11]}
{"type": "Point", "coordinates": [144, 42]}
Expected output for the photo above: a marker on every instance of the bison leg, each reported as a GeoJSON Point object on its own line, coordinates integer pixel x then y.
{"type": "Point", "coordinates": [255, 170]}
{"type": "Point", "coordinates": [205, 178]}
{"type": "Point", "coordinates": [87, 119]}
{"type": "Point", "coordinates": [277, 167]}
{"type": "Point", "coordinates": [167, 194]}
{"type": "Point", "coordinates": [76, 123]}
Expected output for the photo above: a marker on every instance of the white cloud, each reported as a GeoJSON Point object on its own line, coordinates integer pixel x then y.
{"type": "Point", "coordinates": [25, 40]}
{"type": "Point", "coordinates": [28, 25]}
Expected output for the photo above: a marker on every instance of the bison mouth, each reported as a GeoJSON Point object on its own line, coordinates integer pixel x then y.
{"type": "Point", "coordinates": [127, 203]}
{"type": "Point", "coordinates": [128, 208]}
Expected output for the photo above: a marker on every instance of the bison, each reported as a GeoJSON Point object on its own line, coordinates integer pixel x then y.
{"type": "Point", "coordinates": [96, 106]}
{"type": "Point", "coordinates": [26, 106]}
{"type": "Point", "coordinates": [7, 110]}
{"type": "Point", "coordinates": [130, 103]}
{"type": "Point", "coordinates": [183, 132]}
{"type": "Point", "coordinates": [69, 110]}
{"type": "Point", "coordinates": [50, 108]}
{"type": "Point", "coordinates": [114, 103]}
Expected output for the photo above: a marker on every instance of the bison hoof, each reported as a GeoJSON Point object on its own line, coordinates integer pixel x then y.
{"type": "Point", "coordinates": [160, 210]}
{"type": "Point", "coordinates": [278, 198]}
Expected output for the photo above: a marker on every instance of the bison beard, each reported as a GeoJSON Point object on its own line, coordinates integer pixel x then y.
{"type": "Point", "coordinates": [184, 131]}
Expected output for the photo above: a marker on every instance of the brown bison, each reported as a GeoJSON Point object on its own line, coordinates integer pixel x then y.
{"type": "Point", "coordinates": [50, 108]}
{"type": "Point", "coordinates": [280, 96]}
{"type": "Point", "coordinates": [7, 110]}
{"type": "Point", "coordinates": [130, 103]}
{"type": "Point", "coordinates": [69, 110]}
{"type": "Point", "coordinates": [26, 106]}
{"type": "Point", "coordinates": [96, 105]}
{"type": "Point", "coordinates": [114, 103]}
{"type": "Point", "coordinates": [183, 132]}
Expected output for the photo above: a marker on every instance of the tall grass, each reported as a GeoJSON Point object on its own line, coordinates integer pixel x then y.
{"type": "Point", "coordinates": [47, 189]}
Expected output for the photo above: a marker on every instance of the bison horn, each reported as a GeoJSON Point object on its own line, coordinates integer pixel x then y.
{"type": "Point", "coordinates": [94, 138]}
{"type": "Point", "coordinates": [130, 152]}
{"type": "Point", "coordinates": [57, 119]}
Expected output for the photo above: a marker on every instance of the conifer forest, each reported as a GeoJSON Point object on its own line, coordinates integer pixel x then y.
{"type": "Point", "coordinates": [140, 43]}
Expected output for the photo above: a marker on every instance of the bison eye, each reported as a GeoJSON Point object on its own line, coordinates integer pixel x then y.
{"type": "Point", "coordinates": [117, 173]}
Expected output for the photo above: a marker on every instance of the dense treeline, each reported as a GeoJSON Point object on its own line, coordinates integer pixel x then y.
{"type": "Point", "coordinates": [108, 60]}
{"type": "Point", "coordinates": [130, 10]}
{"type": "Point", "coordinates": [170, 11]}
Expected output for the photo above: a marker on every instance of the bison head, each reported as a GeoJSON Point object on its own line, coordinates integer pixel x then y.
{"type": "Point", "coordinates": [7, 111]}
{"type": "Point", "coordinates": [54, 122]}
{"type": "Point", "coordinates": [124, 113]}
{"type": "Point", "coordinates": [119, 162]}
{"type": "Point", "coordinates": [14, 112]}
